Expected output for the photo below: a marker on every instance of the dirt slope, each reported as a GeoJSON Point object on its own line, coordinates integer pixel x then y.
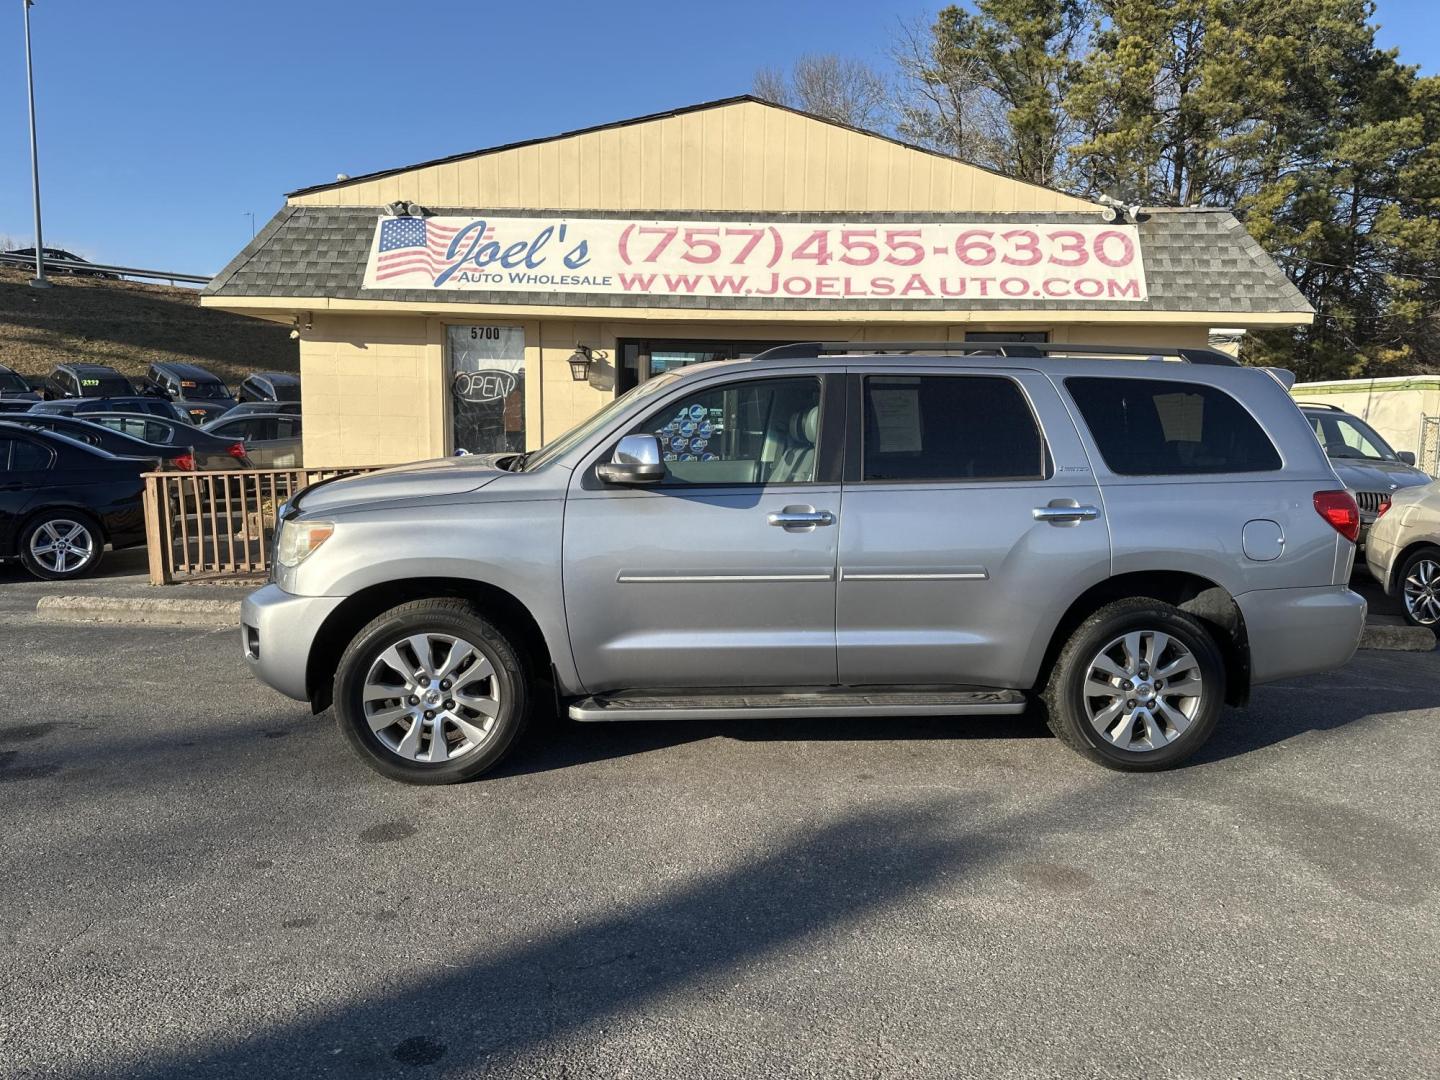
{"type": "Point", "coordinates": [129, 325]}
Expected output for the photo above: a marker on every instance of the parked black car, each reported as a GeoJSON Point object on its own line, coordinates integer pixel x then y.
{"type": "Point", "coordinates": [202, 412]}
{"type": "Point", "coordinates": [270, 386]}
{"type": "Point", "coordinates": [14, 388]}
{"type": "Point", "coordinates": [152, 406]}
{"type": "Point", "coordinates": [87, 380]}
{"type": "Point", "coordinates": [188, 384]}
{"type": "Point", "coordinates": [61, 502]}
{"type": "Point", "coordinates": [211, 451]}
{"type": "Point", "coordinates": [269, 408]}
{"type": "Point", "coordinates": [108, 439]}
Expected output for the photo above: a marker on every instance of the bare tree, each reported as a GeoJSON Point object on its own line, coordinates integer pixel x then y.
{"type": "Point", "coordinates": [943, 104]}
{"type": "Point", "coordinates": [838, 88]}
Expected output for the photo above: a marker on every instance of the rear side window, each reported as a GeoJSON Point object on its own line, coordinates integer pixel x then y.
{"type": "Point", "coordinates": [1153, 427]}
{"type": "Point", "coordinates": [22, 455]}
{"type": "Point", "coordinates": [949, 427]}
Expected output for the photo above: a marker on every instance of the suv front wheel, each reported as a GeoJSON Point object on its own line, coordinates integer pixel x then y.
{"type": "Point", "coordinates": [1138, 686]}
{"type": "Point", "coordinates": [431, 693]}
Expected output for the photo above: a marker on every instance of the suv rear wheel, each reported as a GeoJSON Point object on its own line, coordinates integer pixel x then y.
{"type": "Point", "coordinates": [1138, 686]}
{"type": "Point", "coordinates": [431, 693]}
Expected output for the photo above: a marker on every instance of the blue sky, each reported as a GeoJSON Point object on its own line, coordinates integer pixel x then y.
{"type": "Point", "coordinates": [162, 122]}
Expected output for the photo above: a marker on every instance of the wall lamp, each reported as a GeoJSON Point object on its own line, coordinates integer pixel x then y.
{"type": "Point", "coordinates": [580, 361]}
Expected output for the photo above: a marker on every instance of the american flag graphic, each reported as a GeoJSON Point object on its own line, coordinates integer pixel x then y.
{"type": "Point", "coordinates": [413, 246]}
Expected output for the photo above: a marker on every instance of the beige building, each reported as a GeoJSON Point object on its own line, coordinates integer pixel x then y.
{"type": "Point", "coordinates": [490, 300]}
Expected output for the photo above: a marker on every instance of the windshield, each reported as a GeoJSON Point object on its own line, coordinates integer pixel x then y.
{"type": "Point", "coordinates": [1346, 437]}
{"type": "Point", "coordinates": [10, 381]}
{"type": "Point", "coordinates": [553, 449]}
{"type": "Point", "coordinates": [203, 390]}
{"type": "Point", "coordinates": [104, 386]}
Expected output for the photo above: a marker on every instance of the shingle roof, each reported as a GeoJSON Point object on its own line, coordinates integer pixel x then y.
{"type": "Point", "coordinates": [1195, 260]}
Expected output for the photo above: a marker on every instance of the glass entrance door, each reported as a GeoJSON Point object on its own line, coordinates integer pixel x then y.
{"type": "Point", "coordinates": [487, 388]}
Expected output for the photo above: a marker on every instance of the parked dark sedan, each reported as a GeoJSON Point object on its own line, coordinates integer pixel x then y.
{"type": "Point", "coordinates": [211, 451]}
{"type": "Point", "coordinates": [153, 406]}
{"type": "Point", "coordinates": [269, 408]}
{"type": "Point", "coordinates": [61, 502]}
{"type": "Point", "coordinates": [108, 439]}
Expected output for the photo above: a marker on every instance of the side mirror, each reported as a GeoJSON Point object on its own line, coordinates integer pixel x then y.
{"type": "Point", "coordinates": [637, 460]}
{"type": "Point", "coordinates": [1407, 457]}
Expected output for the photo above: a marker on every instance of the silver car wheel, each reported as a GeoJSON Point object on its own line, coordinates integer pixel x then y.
{"type": "Point", "coordinates": [431, 698]}
{"type": "Point", "coordinates": [1422, 592]}
{"type": "Point", "coordinates": [1143, 690]}
{"type": "Point", "coordinates": [62, 546]}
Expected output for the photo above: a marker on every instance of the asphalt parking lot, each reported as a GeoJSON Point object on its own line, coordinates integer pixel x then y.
{"type": "Point", "coordinates": [201, 881]}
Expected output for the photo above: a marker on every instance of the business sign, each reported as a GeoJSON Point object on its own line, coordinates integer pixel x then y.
{"type": "Point", "coordinates": [799, 260]}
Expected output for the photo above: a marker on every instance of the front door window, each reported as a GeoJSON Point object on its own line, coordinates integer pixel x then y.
{"type": "Point", "coordinates": [755, 432]}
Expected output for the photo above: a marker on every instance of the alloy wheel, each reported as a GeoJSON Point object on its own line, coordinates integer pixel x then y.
{"type": "Point", "coordinates": [1422, 591]}
{"type": "Point", "coordinates": [62, 546]}
{"type": "Point", "coordinates": [431, 698]}
{"type": "Point", "coordinates": [1143, 690]}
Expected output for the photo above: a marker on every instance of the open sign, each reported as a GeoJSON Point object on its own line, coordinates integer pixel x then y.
{"type": "Point", "coordinates": [489, 384]}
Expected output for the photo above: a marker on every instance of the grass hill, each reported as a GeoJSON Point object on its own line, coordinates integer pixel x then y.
{"type": "Point", "coordinates": [129, 325]}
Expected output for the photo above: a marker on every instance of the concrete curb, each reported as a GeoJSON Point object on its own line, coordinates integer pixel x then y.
{"type": "Point", "coordinates": [138, 611]}
{"type": "Point", "coordinates": [1398, 637]}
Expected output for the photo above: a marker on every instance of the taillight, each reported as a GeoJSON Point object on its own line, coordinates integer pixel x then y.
{"type": "Point", "coordinates": [236, 450]}
{"type": "Point", "coordinates": [1340, 510]}
{"type": "Point", "coordinates": [185, 462]}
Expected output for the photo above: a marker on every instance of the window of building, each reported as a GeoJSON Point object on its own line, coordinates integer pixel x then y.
{"type": "Point", "coordinates": [949, 427]}
{"type": "Point", "coordinates": [1153, 427]}
{"type": "Point", "coordinates": [760, 431]}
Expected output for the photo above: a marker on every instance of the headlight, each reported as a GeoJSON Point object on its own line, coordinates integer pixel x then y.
{"type": "Point", "coordinates": [298, 539]}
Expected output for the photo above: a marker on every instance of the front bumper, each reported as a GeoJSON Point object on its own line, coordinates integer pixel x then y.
{"type": "Point", "coordinates": [1301, 631]}
{"type": "Point", "coordinates": [277, 632]}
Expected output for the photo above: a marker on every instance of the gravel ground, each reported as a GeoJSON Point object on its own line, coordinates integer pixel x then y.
{"type": "Point", "coordinates": [199, 880]}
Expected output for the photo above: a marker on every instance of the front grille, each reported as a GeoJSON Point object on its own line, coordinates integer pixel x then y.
{"type": "Point", "coordinates": [1371, 501]}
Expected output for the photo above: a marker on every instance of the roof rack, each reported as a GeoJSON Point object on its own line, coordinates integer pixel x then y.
{"type": "Point", "coordinates": [1318, 405]}
{"type": "Point", "coordinates": [813, 350]}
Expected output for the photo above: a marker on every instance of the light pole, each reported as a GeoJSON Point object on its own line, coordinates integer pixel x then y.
{"type": "Point", "coordinates": [38, 281]}
{"type": "Point", "coordinates": [251, 215]}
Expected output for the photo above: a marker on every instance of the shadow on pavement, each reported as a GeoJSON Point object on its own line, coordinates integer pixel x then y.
{"type": "Point", "coordinates": [507, 1008]}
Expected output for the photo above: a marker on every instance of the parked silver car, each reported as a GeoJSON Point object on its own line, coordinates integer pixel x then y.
{"type": "Point", "coordinates": [832, 530]}
{"type": "Point", "coordinates": [1367, 466]}
{"type": "Point", "coordinates": [1404, 553]}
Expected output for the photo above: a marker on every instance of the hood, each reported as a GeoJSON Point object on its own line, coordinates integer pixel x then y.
{"type": "Point", "coordinates": [1376, 475]}
{"type": "Point", "coordinates": [423, 479]}
{"type": "Point", "coordinates": [20, 395]}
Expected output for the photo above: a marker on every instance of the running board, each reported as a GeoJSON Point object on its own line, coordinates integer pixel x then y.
{"type": "Point", "coordinates": [779, 705]}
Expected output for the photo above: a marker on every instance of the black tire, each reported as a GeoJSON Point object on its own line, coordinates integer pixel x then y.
{"type": "Point", "coordinates": [1066, 705]}
{"type": "Point", "coordinates": [1411, 568]}
{"type": "Point", "coordinates": [438, 615]}
{"type": "Point", "coordinates": [55, 518]}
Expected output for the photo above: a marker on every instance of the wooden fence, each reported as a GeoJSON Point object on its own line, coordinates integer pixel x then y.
{"type": "Point", "coordinates": [209, 525]}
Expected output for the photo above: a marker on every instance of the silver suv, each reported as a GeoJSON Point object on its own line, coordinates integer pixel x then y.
{"type": "Point", "coordinates": [833, 530]}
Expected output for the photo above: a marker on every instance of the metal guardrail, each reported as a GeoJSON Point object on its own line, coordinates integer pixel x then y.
{"type": "Point", "coordinates": [8, 259]}
{"type": "Point", "coordinates": [203, 526]}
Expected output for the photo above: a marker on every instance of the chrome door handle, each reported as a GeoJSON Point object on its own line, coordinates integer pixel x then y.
{"type": "Point", "coordinates": [790, 518]}
{"type": "Point", "coordinates": [1063, 514]}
